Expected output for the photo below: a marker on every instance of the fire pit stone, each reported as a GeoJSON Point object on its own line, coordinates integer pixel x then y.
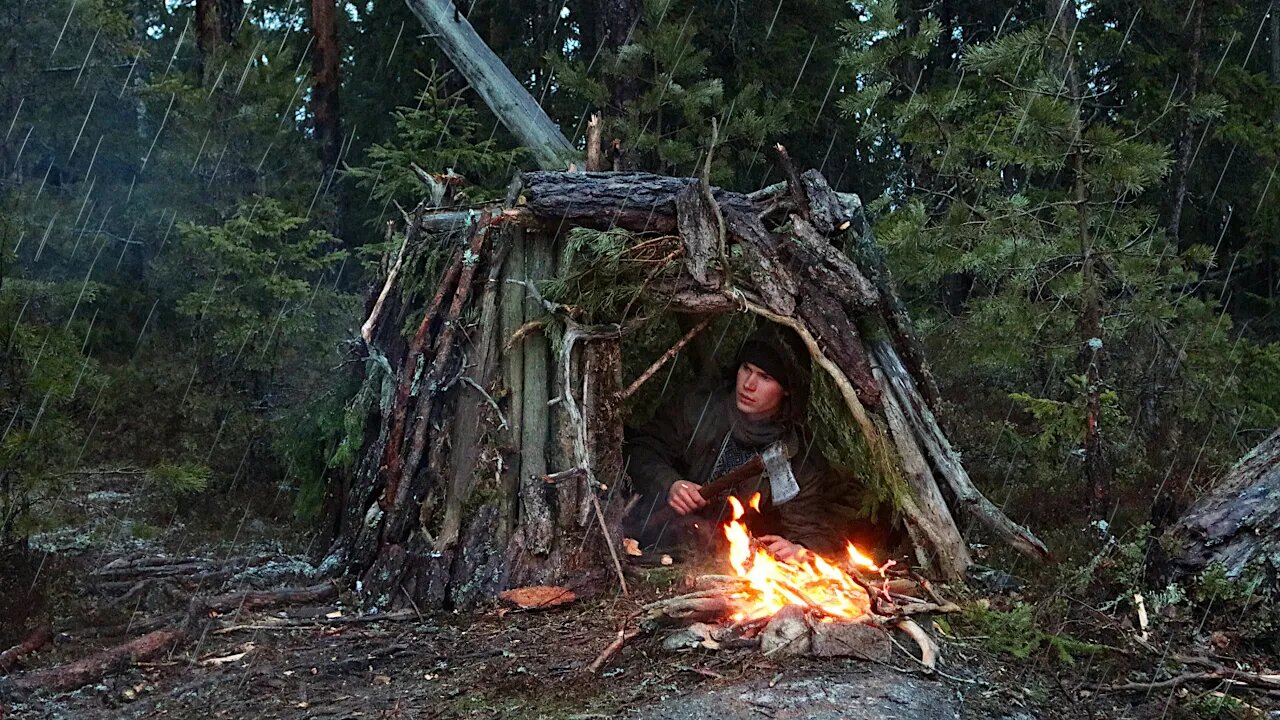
{"type": "Point", "coordinates": [861, 640]}
{"type": "Point", "coordinates": [788, 633]}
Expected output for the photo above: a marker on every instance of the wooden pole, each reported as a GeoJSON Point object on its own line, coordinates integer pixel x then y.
{"type": "Point", "coordinates": [504, 95]}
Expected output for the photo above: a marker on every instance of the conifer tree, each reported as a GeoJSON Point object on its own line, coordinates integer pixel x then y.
{"type": "Point", "coordinates": [1036, 194]}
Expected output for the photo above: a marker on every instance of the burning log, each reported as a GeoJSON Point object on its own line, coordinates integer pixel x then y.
{"type": "Point", "coordinates": [704, 606]}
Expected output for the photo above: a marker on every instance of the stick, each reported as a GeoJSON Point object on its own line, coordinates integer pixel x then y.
{"type": "Point", "coordinates": [670, 353]}
{"type": "Point", "coordinates": [312, 623]}
{"type": "Point", "coordinates": [595, 153]}
{"type": "Point", "coordinates": [623, 636]}
{"type": "Point", "coordinates": [604, 528]}
{"type": "Point", "coordinates": [928, 648]}
{"type": "Point", "coordinates": [794, 185]}
{"type": "Point", "coordinates": [42, 636]}
{"type": "Point", "coordinates": [366, 330]}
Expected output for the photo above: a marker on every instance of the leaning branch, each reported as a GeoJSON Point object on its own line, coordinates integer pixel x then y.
{"type": "Point", "coordinates": [504, 95]}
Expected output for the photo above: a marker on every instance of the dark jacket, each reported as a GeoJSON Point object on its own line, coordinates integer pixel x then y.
{"type": "Point", "coordinates": [687, 436]}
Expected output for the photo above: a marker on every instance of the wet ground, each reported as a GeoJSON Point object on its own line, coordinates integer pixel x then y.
{"type": "Point", "coordinates": [327, 661]}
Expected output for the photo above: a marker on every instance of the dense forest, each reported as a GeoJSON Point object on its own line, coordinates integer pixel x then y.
{"type": "Point", "coordinates": [199, 202]}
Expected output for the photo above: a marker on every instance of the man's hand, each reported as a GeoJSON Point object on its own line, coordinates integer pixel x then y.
{"type": "Point", "coordinates": [683, 497]}
{"type": "Point", "coordinates": [782, 548]}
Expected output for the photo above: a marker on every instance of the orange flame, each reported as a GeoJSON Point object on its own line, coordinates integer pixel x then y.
{"type": "Point", "coordinates": [810, 581]}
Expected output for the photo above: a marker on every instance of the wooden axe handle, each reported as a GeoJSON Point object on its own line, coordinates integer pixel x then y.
{"type": "Point", "coordinates": [710, 490]}
{"type": "Point", "coordinates": [748, 469]}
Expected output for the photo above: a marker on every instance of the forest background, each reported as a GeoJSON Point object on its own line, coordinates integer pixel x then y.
{"type": "Point", "coordinates": [1078, 201]}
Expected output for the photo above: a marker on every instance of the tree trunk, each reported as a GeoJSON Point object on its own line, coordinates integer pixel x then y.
{"type": "Point", "coordinates": [1237, 525]}
{"type": "Point", "coordinates": [1187, 132]}
{"type": "Point", "coordinates": [1097, 467]}
{"type": "Point", "coordinates": [1273, 19]}
{"type": "Point", "coordinates": [216, 24]}
{"type": "Point", "coordinates": [325, 60]}
{"type": "Point", "coordinates": [617, 21]}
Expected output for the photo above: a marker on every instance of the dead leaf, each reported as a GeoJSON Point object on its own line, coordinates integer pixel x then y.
{"type": "Point", "coordinates": [631, 546]}
{"type": "Point", "coordinates": [666, 560]}
{"type": "Point", "coordinates": [535, 597]}
{"type": "Point", "coordinates": [381, 679]}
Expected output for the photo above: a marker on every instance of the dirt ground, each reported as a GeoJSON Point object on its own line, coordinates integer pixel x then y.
{"type": "Point", "coordinates": [328, 661]}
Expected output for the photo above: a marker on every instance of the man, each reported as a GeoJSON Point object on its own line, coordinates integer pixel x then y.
{"type": "Point", "coordinates": [711, 430]}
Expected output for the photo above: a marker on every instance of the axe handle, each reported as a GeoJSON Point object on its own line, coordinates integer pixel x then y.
{"type": "Point", "coordinates": [710, 490]}
{"type": "Point", "coordinates": [748, 469]}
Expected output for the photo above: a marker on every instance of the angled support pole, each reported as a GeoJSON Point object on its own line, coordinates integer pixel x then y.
{"type": "Point", "coordinates": [504, 95]}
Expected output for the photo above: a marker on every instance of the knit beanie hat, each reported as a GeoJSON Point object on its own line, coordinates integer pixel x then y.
{"type": "Point", "coordinates": [782, 354]}
{"type": "Point", "coordinates": [769, 359]}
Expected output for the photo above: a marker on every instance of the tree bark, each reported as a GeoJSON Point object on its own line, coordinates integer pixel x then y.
{"type": "Point", "coordinates": [325, 82]}
{"type": "Point", "coordinates": [617, 23]}
{"type": "Point", "coordinates": [1237, 525]}
{"type": "Point", "coordinates": [1187, 132]}
{"type": "Point", "coordinates": [504, 95]}
{"type": "Point", "coordinates": [216, 24]}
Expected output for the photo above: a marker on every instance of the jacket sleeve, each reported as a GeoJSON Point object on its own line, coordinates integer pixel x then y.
{"type": "Point", "coordinates": [807, 519]}
{"type": "Point", "coordinates": [654, 451]}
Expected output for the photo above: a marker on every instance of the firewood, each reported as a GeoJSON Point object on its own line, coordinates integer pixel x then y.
{"type": "Point", "coordinates": [928, 647]}
{"type": "Point", "coordinates": [683, 610]}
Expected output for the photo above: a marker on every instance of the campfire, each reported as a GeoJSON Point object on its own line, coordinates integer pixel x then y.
{"type": "Point", "coordinates": [809, 605]}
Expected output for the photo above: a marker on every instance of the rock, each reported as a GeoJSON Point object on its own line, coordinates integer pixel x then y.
{"type": "Point", "coordinates": [865, 692]}
{"type": "Point", "coordinates": [846, 639]}
{"type": "Point", "coordinates": [788, 633]}
{"type": "Point", "coordinates": [687, 638]}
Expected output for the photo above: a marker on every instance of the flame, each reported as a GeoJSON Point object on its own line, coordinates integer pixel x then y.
{"type": "Point", "coordinates": [755, 502]}
{"type": "Point", "coordinates": [810, 581]}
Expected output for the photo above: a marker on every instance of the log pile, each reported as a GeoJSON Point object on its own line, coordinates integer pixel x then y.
{"type": "Point", "coordinates": [487, 461]}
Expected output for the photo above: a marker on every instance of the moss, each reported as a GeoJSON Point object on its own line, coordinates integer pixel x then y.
{"type": "Point", "coordinates": [872, 473]}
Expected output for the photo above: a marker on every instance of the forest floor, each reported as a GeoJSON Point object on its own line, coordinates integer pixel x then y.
{"type": "Point", "coordinates": [326, 660]}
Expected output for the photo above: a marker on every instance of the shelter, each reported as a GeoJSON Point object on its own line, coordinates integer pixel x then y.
{"type": "Point", "coordinates": [491, 415]}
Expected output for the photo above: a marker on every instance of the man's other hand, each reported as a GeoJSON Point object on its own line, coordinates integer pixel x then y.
{"type": "Point", "coordinates": [782, 548]}
{"type": "Point", "coordinates": [683, 497]}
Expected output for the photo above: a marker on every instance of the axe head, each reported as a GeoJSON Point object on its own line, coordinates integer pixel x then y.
{"type": "Point", "coordinates": [782, 481]}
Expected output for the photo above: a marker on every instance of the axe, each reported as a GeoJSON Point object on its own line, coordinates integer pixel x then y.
{"type": "Point", "coordinates": [773, 462]}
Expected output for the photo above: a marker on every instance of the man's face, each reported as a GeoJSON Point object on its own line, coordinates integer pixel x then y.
{"type": "Point", "coordinates": [758, 395]}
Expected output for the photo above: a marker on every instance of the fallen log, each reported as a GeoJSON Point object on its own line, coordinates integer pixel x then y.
{"type": "Point", "coordinates": [42, 636]}
{"type": "Point", "coordinates": [87, 670]}
{"type": "Point", "coordinates": [100, 664]}
{"type": "Point", "coordinates": [1237, 525]}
